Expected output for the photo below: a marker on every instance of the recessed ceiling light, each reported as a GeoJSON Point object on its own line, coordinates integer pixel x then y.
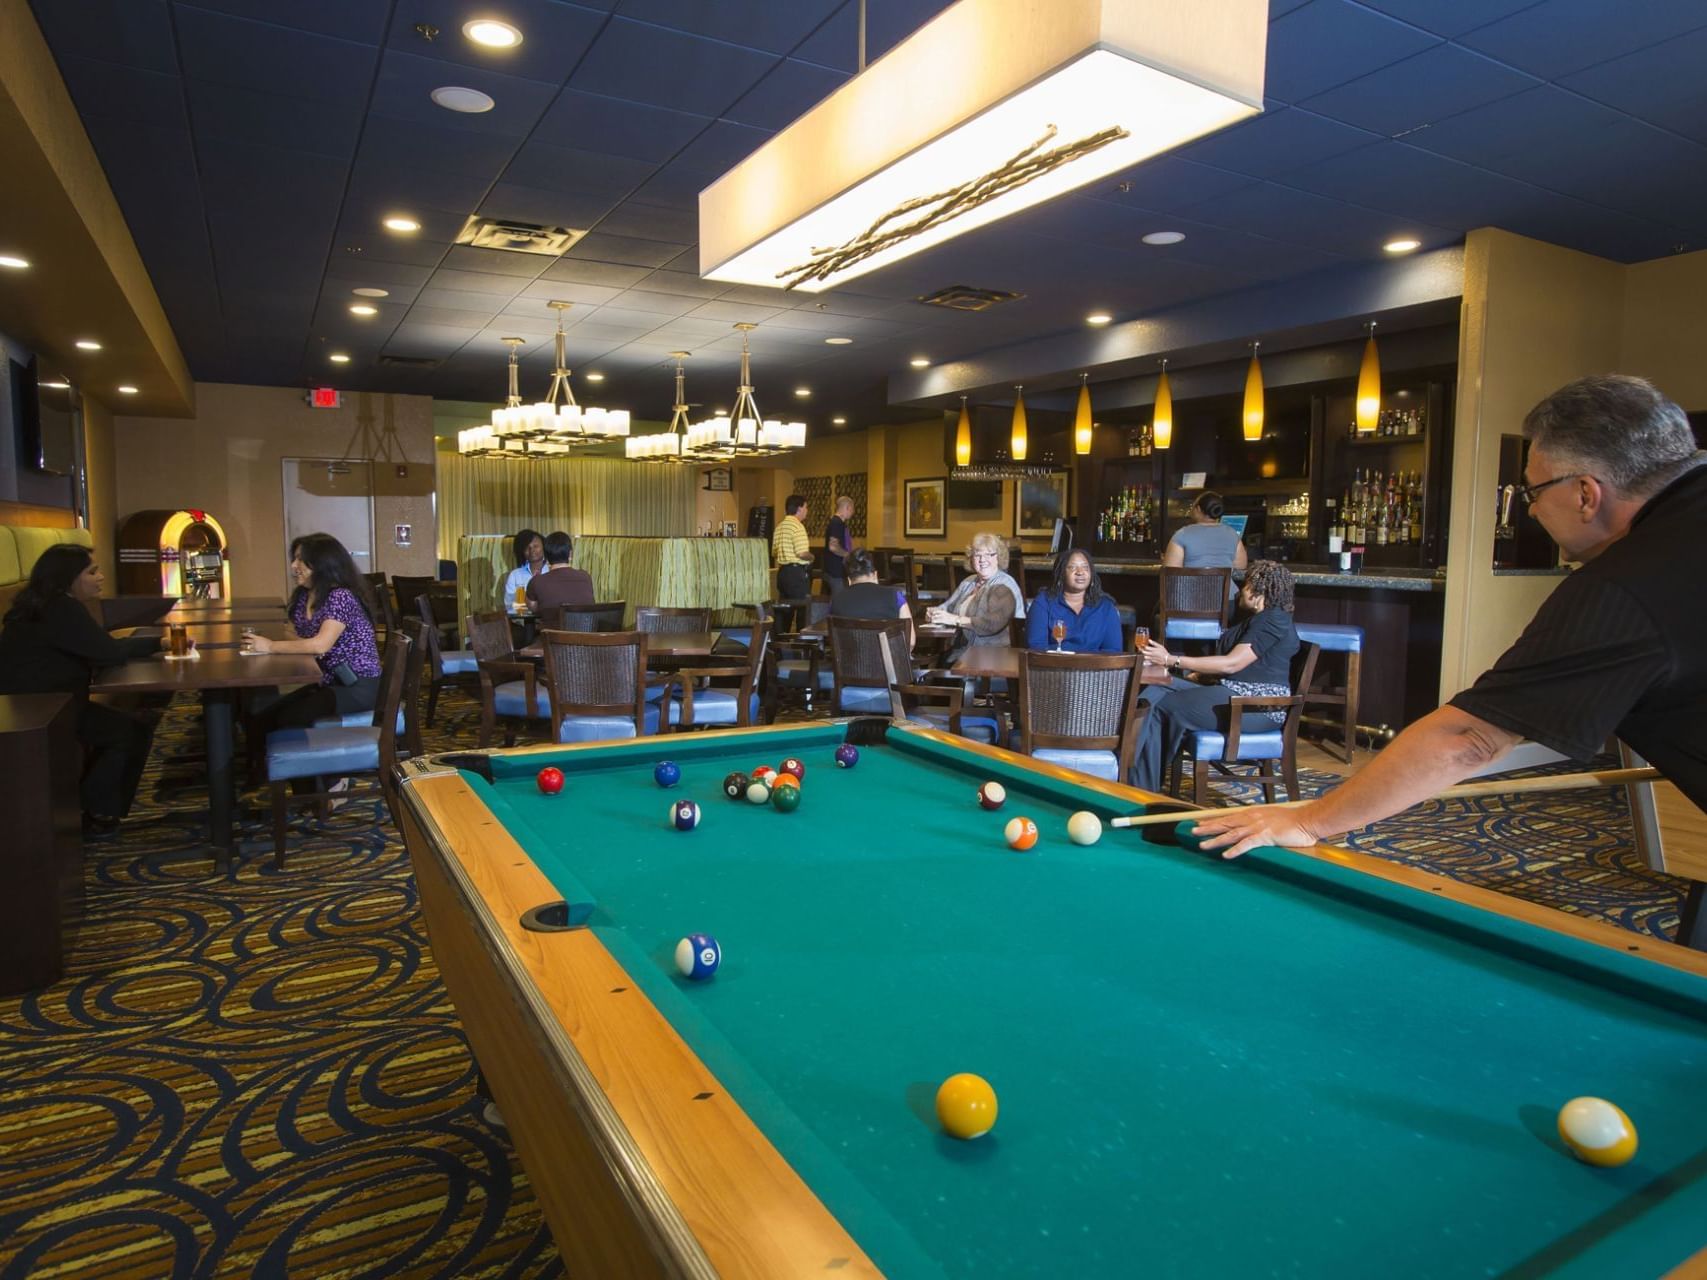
{"type": "Point", "coordinates": [88, 344]}
{"type": "Point", "coordinates": [402, 224]}
{"type": "Point", "coordinates": [338, 357]}
{"type": "Point", "coordinates": [492, 34]}
{"type": "Point", "coordinates": [919, 362]}
{"type": "Point", "coordinates": [594, 377]}
{"type": "Point", "coordinates": [14, 262]}
{"type": "Point", "coordinates": [371, 293]}
{"type": "Point", "coordinates": [838, 342]}
{"type": "Point", "coordinates": [127, 390]}
{"type": "Point", "coordinates": [803, 393]}
{"type": "Point", "coordinates": [1098, 318]}
{"type": "Point", "coordinates": [363, 309]}
{"type": "Point", "coordinates": [839, 422]}
{"type": "Point", "coordinates": [454, 97]}
{"type": "Point", "coordinates": [1402, 246]}
{"type": "Point", "coordinates": [1164, 237]}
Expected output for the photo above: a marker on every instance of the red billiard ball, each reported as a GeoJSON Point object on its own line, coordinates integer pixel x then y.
{"type": "Point", "coordinates": [550, 780]}
{"type": "Point", "coordinates": [992, 795]}
{"type": "Point", "coordinates": [793, 766]}
{"type": "Point", "coordinates": [764, 773]}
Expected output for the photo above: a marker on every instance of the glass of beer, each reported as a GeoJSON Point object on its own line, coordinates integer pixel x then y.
{"type": "Point", "coordinates": [521, 599]}
{"type": "Point", "coordinates": [1140, 638]}
{"type": "Point", "coordinates": [177, 640]}
{"type": "Point", "coordinates": [1057, 633]}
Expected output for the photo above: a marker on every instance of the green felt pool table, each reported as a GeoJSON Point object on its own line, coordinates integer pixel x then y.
{"type": "Point", "coordinates": [1297, 1064]}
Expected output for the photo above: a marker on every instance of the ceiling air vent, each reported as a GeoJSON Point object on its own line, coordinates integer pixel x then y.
{"type": "Point", "coordinates": [962, 297]}
{"type": "Point", "coordinates": [423, 363]}
{"type": "Point", "coordinates": [509, 236]}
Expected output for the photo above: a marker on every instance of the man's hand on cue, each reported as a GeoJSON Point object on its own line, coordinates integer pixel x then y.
{"type": "Point", "coordinates": [1255, 826]}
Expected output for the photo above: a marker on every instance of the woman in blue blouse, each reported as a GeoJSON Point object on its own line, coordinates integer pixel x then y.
{"type": "Point", "coordinates": [1075, 598]}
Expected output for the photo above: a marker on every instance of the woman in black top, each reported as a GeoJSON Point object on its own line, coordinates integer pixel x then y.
{"type": "Point", "coordinates": [1253, 658]}
{"type": "Point", "coordinates": [52, 644]}
{"type": "Point", "coordinates": [863, 597]}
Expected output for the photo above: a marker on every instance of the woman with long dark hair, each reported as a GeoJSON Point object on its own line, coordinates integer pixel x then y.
{"type": "Point", "coordinates": [332, 613]}
{"type": "Point", "coordinates": [52, 644]}
{"type": "Point", "coordinates": [1090, 623]}
{"type": "Point", "coordinates": [529, 550]}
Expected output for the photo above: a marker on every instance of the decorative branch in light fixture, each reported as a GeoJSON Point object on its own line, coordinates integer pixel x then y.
{"type": "Point", "coordinates": [1083, 428]}
{"type": "Point", "coordinates": [1162, 416]}
{"type": "Point", "coordinates": [1019, 442]}
{"type": "Point", "coordinates": [1253, 396]}
{"type": "Point", "coordinates": [1369, 387]}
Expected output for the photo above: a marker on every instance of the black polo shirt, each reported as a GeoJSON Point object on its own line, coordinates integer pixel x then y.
{"type": "Point", "coordinates": [1619, 648]}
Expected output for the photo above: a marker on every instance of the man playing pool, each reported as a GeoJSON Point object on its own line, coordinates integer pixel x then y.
{"type": "Point", "coordinates": [1615, 478]}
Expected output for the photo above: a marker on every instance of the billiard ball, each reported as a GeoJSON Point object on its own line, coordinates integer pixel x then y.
{"type": "Point", "coordinates": [666, 773]}
{"type": "Point", "coordinates": [1597, 1132]}
{"type": "Point", "coordinates": [847, 756]}
{"type": "Point", "coordinates": [758, 792]}
{"type": "Point", "coordinates": [550, 780]}
{"type": "Point", "coordinates": [785, 782]}
{"type": "Point", "coordinates": [791, 765]}
{"type": "Point", "coordinates": [966, 1105]}
{"type": "Point", "coordinates": [698, 955]}
{"type": "Point", "coordinates": [787, 799]}
{"type": "Point", "coordinates": [1084, 827]}
{"type": "Point", "coordinates": [735, 786]}
{"type": "Point", "coordinates": [992, 795]}
{"type": "Point", "coordinates": [1021, 833]}
{"type": "Point", "coordinates": [764, 773]}
{"type": "Point", "coordinates": [685, 815]}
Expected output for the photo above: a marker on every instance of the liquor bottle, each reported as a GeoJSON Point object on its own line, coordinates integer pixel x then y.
{"type": "Point", "coordinates": [1146, 442]}
{"type": "Point", "coordinates": [1381, 526]}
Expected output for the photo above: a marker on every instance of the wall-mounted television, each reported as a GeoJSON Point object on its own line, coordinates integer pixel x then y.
{"type": "Point", "coordinates": [44, 409]}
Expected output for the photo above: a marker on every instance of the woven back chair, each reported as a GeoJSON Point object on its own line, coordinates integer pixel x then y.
{"type": "Point", "coordinates": [509, 689]}
{"type": "Point", "coordinates": [1266, 748]}
{"type": "Point", "coordinates": [489, 637]}
{"type": "Point", "coordinates": [597, 685]}
{"type": "Point", "coordinates": [705, 704]}
{"type": "Point", "coordinates": [1077, 710]}
{"type": "Point", "coordinates": [587, 617]}
{"type": "Point", "coordinates": [1194, 603]}
{"type": "Point", "coordinates": [654, 620]}
{"type": "Point", "coordinates": [443, 666]}
{"type": "Point", "coordinates": [857, 659]}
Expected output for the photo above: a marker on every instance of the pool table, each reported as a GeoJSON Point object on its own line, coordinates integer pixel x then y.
{"type": "Point", "coordinates": [1301, 1063]}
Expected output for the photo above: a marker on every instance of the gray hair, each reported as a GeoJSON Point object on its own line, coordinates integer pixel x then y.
{"type": "Point", "coordinates": [1619, 429]}
{"type": "Point", "coordinates": [992, 543]}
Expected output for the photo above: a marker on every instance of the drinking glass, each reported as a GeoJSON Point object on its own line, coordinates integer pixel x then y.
{"type": "Point", "coordinates": [177, 640]}
{"type": "Point", "coordinates": [1057, 633]}
{"type": "Point", "coordinates": [1140, 638]}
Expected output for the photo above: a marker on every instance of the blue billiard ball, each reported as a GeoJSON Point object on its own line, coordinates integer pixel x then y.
{"type": "Point", "coordinates": [847, 756]}
{"type": "Point", "coordinates": [685, 815]}
{"type": "Point", "coordinates": [666, 773]}
{"type": "Point", "coordinates": [698, 955]}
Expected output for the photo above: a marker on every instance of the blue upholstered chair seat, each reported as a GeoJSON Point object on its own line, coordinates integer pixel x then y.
{"type": "Point", "coordinates": [975, 728]}
{"type": "Point", "coordinates": [1099, 764]}
{"type": "Point", "coordinates": [1193, 629]}
{"type": "Point", "coordinates": [717, 706]}
{"type": "Point", "coordinates": [860, 700]}
{"type": "Point", "coordinates": [1267, 744]}
{"type": "Point", "coordinates": [309, 753]}
{"type": "Point", "coordinates": [510, 699]}
{"type": "Point", "coordinates": [794, 672]}
{"type": "Point", "coordinates": [1331, 638]}
{"type": "Point", "coordinates": [459, 662]}
{"type": "Point", "coordinates": [354, 720]}
{"type": "Point", "coordinates": [737, 638]}
{"type": "Point", "coordinates": [603, 728]}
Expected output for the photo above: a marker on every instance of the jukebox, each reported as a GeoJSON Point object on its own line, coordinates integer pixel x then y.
{"type": "Point", "coordinates": [173, 553]}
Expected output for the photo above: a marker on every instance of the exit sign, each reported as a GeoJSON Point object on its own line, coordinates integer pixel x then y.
{"type": "Point", "coordinates": [325, 398]}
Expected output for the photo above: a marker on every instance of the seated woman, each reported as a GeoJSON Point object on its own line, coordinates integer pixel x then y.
{"type": "Point", "coordinates": [1253, 657]}
{"type": "Point", "coordinates": [986, 600]}
{"type": "Point", "coordinates": [52, 644]}
{"type": "Point", "coordinates": [529, 550]}
{"type": "Point", "coordinates": [1074, 599]}
{"type": "Point", "coordinates": [863, 597]}
{"type": "Point", "coordinates": [333, 616]}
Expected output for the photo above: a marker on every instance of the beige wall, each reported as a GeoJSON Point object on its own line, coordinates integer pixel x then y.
{"type": "Point", "coordinates": [1665, 326]}
{"type": "Point", "coordinates": [228, 461]}
{"type": "Point", "coordinates": [99, 458]}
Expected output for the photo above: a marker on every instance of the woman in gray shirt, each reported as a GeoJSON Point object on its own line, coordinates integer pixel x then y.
{"type": "Point", "coordinates": [1206, 543]}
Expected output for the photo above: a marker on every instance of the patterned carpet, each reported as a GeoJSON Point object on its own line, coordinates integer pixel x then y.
{"type": "Point", "coordinates": [262, 1075]}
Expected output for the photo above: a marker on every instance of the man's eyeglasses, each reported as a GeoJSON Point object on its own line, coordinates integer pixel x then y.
{"type": "Point", "coordinates": [1529, 492]}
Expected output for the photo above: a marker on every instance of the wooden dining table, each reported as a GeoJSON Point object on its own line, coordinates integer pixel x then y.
{"type": "Point", "coordinates": [659, 644]}
{"type": "Point", "coordinates": [215, 675]}
{"type": "Point", "coordinates": [273, 612]}
{"type": "Point", "coordinates": [1003, 661]}
{"type": "Point", "coordinates": [225, 635]}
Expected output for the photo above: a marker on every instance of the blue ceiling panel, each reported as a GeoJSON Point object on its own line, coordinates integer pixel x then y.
{"type": "Point", "coordinates": [1297, 216]}
{"type": "Point", "coordinates": [1628, 165]}
{"type": "Point", "coordinates": [269, 59]}
{"type": "Point", "coordinates": [403, 146]}
{"type": "Point", "coordinates": [480, 282]}
{"type": "Point", "coordinates": [555, 35]}
{"type": "Point", "coordinates": [1449, 18]}
{"type": "Point", "coordinates": [675, 186]}
{"type": "Point", "coordinates": [104, 91]}
{"type": "Point", "coordinates": [1168, 183]}
{"type": "Point", "coordinates": [598, 247]}
{"type": "Point", "coordinates": [786, 92]}
{"type": "Point", "coordinates": [357, 270]}
{"type": "Point", "coordinates": [497, 262]}
{"type": "Point", "coordinates": [1602, 232]}
{"type": "Point", "coordinates": [458, 300]}
{"type": "Point", "coordinates": [379, 247]}
{"type": "Point", "coordinates": [1436, 83]}
{"type": "Point", "coordinates": [658, 304]}
{"type": "Point", "coordinates": [446, 318]}
{"type": "Point", "coordinates": [1275, 141]}
{"type": "Point", "coordinates": [615, 126]}
{"type": "Point", "coordinates": [1328, 42]}
{"type": "Point", "coordinates": [134, 33]}
{"type": "Point", "coordinates": [1557, 37]}
{"type": "Point", "coordinates": [1661, 84]}
{"type": "Point", "coordinates": [681, 284]}
{"type": "Point", "coordinates": [260, 200]}
{"type": "Point", "coordinates": [1513, 126]}
{"type": "Point", "coordinates": [761, 24]}
{"type": "Point", "coordinates": [240, 116]}
{"type": "Point", "coordinates": [650, 222]}
{"type": "Point", "coordinates": [547, 208]}
{"type": "Point", "coordinates": [888, 22]}
{"type": "Point", "coordinates": [553, 168]}
{"type": "Point", "coordinates": [664, 68]}
{"type": "Point", "coordinates": [406, 83]}
{"type": "Point", "coordinates": [359, 20]}
{"type": "Point", "coordinates": [722, 146]}
{"type": "Point", "coordinates": [392, 184]}
{"type": "Point", "coordinates": [609, 275]}
{"type": "Point", "coordinates": [429, 339]}
{"type": "Point", "coordinates": [537, 294]}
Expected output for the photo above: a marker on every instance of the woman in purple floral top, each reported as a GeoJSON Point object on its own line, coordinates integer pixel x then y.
{"type": "Point", "coordinates": [333, 615]}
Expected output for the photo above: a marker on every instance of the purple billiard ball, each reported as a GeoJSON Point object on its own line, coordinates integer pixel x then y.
{"type": "Point", "coordinates": [685, 815]}
{"type": "Point", "coordinates": [698, 955]}
{"type": "Point", "coordinates": [666, 773]}
{"type": "Point", "coordinates": [847, 756]}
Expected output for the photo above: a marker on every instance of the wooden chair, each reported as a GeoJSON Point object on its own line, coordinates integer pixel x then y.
{"type": "Point", "coordinates": [445, 667]}
{"type": "Point", "coordinates": [511, 692]}
{"type": "Point", "coordinates": [407, 591]}
{"type": "Point", "coordinates": [900, 573]}
{"type": "Point", "coordinates": [798, 671]}
{"type": "Point", "coordinates": [598, 686]}
{"type": "Point", "coordinates": [588, 617]}
{"type": "Point", "coordinates": [874, 676]}
{"type": "Point", "coordinates": [1079, 710]}
{"type": "Point", "coordinates": [654, 620]}
{"type": "Point", "coordinates": [386, 622]}
{"type": "Point", "coordinates": [722, 707]}
{"type": "Point", "coordinates": [1193, 603]}
{"type": "Point", "coordinates": [1263, 748]}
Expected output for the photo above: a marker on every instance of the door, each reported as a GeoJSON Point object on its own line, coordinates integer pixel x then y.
{"type": "Point", "coordinates": [335, 496]}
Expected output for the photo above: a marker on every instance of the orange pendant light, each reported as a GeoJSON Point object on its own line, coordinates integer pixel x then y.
{"type": "Point", "coordinates": [963, 437]}
{"type": "Point", "coordinates": [1253, 397]}
{"type": "Point", "coordinates": [1083, 427]}
{"type": "Point", "coordinates": [1162, 417]}
{"type": "Point", "coordinates": [1019, 441]}
{"type": "Point", "coordinates": [1369, 387]}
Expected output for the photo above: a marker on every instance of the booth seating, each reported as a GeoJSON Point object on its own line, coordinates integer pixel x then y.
{"type": "Point", "coordinates": [1336, 639]}
{"type": "Point", "coordinates": [21, 546]}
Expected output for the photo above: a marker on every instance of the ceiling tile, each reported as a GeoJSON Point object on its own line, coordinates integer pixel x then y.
{"type": "Point", "coordinates": [598, 247]}
{"type": "Point", "coordinates": [734, 312]}
{"type": "Point", "coordinates": [836, 42]}
{"type": "Point", "coordinates": [269, 59]}
{"type": "Point", "coordinates": [459, 300]}
{"type": "Point", "coordinates": [1556, 37]}
{"type": "Point", "coordinates": [1420, 90]}
{"type": "Point", "coordinates": [242, 116]}
{"type": "Point", "coordinates": [1328, 42]}
{"type": "Point", "coordinates": [544, 208]}
{"type": "Point", "coordinates": [554, 36]}
{"type": "Point", "coordinates": [649, 222]}
{"type": "Point", "coordinates": [453, 319]}
{"type": "Point", "coordinates": [1661, 84]}
{"type": "Point", "coordinates": [482, 282]}
{"type": "Point", "coordinates": [605, 274]}
{"type": "Point", "coordinates": [1274, 142]}
{"type": "Point", "coordinates": [682, 284]}
{"type": "Point", "coordinates": [359, 20]}
{"type": "Point", "coordinates": [616, 126]}
{"type": "Point", "coordinates": [406, 82]}
{"type": "Point", "coordinates": [554, 168]}
{"type": "Point", "coordinates": [1168, 183]}
{"type": "Point", "coordinates": [762, 24]}
{"type": "Point", "coordinates": [787, 91]}
{"type": "Point", "coordinates": [589, 295]}
{"type": "Point", "coordinates": [102, 90]}
{"type": "Point", "coordinates": [1449, 18]}
{"type": "Point", "coordinates": [135, 33]}
{"type": "Point", "coordinates": [661, 304]}
{"type": "Point", "coordinates": [664, 68]}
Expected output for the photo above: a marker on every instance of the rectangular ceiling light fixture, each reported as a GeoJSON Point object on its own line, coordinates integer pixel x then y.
{"type": "Point", "coordinates": [992, 107]}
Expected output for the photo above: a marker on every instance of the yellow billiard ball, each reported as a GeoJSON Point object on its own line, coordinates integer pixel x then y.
{"type": "Point", "coordinates": [966, 1105]}
{"type": "Point", "coordinates": [1597, 1132]}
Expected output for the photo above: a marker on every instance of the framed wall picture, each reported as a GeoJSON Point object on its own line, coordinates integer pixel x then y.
{"type": "Point", "coordinates": [926, 508]}
{"type": "Point", "coordinates": [1040, 502]}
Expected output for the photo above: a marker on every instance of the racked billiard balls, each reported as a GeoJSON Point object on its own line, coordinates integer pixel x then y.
{"type": "Point", "coordinates": [698, 955]}
{"type": "Point", "coordinates": [785, 781]}
{"type": "Point", "coordinates": [764, 773]}
{"type": "Point", "coordinates": [992, 795]}
{"type": "Point", "coordinates": [847, 756]}
{"type": "Point", "coordinates": [1021, 833]}
{"type": "Point", "coordinates": [787, 799]}
{"type": "Point", "coordinates": [735, 786]}
{"type": "Point", "coordinates": [684, 814]}
{"type": "Point", "coordinates": [758, 792]}
{"type": "Point", "coordinates": [666, 773]}
{"type": "Point", "coordinates": [966, 1105]}
{"type": "Point", "coordinates": [550, 780]}
{"type": "Point", "coordinates": [793, 766]}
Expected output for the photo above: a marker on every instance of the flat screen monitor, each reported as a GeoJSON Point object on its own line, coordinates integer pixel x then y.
{"type": "Point", "coordinates": [1236, 523]}
{"type": "Point", "coordinates": [1062, 539]}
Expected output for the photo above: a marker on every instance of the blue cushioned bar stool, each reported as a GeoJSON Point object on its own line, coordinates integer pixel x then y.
{"type": "Point", "coordinates": [1332, 638]}
{"type": "Point", "coordinates": [1078, 711]}
{"type": "Point", "coordinates": [1194, 603]}
{"type": "Point", "coordinates": [1265, 748]}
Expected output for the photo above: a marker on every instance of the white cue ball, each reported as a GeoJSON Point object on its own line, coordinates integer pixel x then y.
{"type": "Point", "coordinates": [1084, 827]}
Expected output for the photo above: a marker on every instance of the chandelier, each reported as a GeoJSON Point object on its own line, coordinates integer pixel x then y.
{"type": "Point", "coordinates": [742, 433]}
{"type": "Point", "coordinates": [665, 446]}
{"type": "Point", "coordinates": [546, 428]}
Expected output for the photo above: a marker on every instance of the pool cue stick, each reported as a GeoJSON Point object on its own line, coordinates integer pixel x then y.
{"type": "Point", "coordinates": [1464, 790]}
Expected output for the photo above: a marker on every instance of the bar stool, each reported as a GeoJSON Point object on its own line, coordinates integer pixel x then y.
{"type": "Point", "coordinates": [1333, 638]}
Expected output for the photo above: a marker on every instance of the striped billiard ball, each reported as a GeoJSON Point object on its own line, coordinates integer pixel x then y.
{"type": "Point", "coordinates": [698, 955]}
{"type": "Point", "coordinates": [684, 815]}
